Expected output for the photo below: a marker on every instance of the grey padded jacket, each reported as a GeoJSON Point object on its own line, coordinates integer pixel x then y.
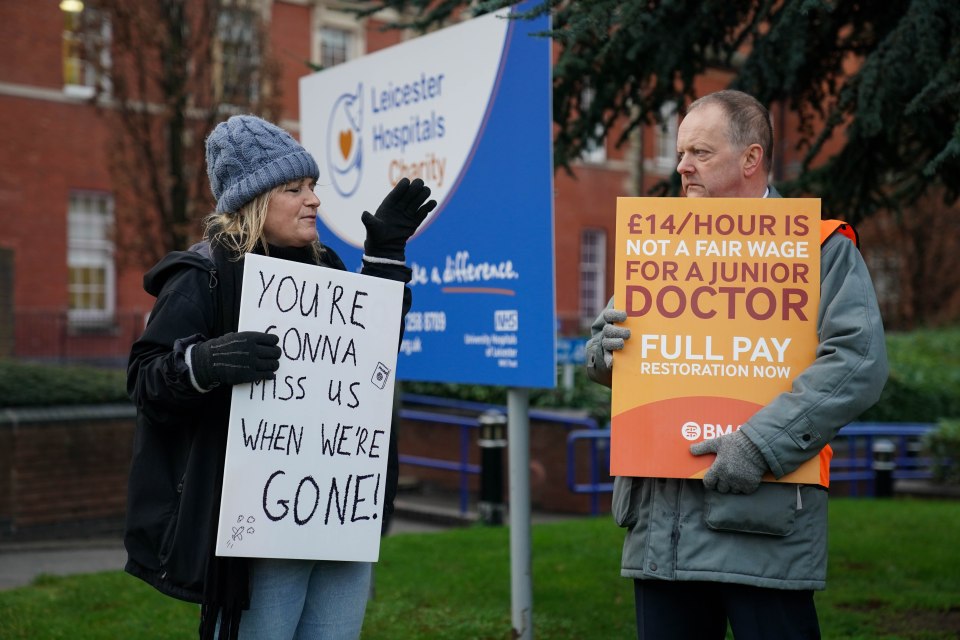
{"type": "Point", "coordinates": [777, 536]}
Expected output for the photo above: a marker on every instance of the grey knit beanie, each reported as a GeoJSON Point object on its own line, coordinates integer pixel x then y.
{"type": "Point", "coordinates": [247, 156]}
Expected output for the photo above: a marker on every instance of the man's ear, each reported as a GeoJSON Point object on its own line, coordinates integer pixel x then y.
{"type": "Point", "coordinates": [752, 160]}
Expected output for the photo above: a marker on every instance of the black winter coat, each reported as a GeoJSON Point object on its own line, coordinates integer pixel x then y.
{"type": "Point", "coordinates": [181, 432]}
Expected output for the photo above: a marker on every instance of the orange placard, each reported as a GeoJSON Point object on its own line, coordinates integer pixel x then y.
{"type": "Point", "coordinates": [721, 296]}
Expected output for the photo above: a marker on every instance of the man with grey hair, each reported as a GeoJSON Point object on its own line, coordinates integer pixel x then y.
{"type": "Point", "coordinates": [730, 548]}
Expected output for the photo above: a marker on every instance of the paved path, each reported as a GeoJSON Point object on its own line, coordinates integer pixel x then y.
{"type": "Point", "coordinates": [19, 567]}
{"type": "Point", "coordinates": [20, 564]}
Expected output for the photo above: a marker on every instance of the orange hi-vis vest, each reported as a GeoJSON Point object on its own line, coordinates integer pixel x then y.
{"type": "Point", "coordinates": [827, 229]}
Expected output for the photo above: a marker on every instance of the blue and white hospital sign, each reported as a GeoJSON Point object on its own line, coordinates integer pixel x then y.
{"type": "Point", "coordinates": [467, 109]}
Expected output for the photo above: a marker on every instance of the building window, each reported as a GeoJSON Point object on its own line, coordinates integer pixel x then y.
{"type": "Point", "coordinates": [594, 148]}
{"type": "Point", "coordinates": [86, 47]}
{"type": "Point", "coordinates": [90, 259]}
{"type": "Point", "coordinates": [335, 46]}
{"type": "Point", "coordinates": [338, 36]}
{"type": "Point", "coordinates": [886, 268]}
{"type": "Point", "coordinates": [238, 55]}
{"type": "Point", "coordinates": [593, 261]}
{"type": "Point", "coordinates": [666, 138]}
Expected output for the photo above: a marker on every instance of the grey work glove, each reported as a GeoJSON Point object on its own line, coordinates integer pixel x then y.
{"type": "Point", "coordinates": [235, 358]}
{"type": "Point", "coordinates": [739, 465]}
{"type": "Point", "coordinates": [397, 218]}
{"type": "Point", "coordinates": [613, 336]}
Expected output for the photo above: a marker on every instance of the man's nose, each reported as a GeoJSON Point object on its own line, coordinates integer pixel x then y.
{"type": "Point", "coordinates": [684, 166]}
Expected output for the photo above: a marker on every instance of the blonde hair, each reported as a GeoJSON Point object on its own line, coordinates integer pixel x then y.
{"type": "Point", "coordinates": [242, 231]}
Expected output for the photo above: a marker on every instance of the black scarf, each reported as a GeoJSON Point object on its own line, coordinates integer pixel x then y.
{"type": "Point", "coordinates": [226, 585]}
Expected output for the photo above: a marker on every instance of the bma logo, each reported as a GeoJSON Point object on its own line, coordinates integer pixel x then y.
{"type": "Point", "coordinates": [506, 320]}
{"type": "Point", "coordinates": [344, 142]}
{"type": "Point", "coordinates": [690, 431]}
{"type": "Point", "coordinates": [693, 431]}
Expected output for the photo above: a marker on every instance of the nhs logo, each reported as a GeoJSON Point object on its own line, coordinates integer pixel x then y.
{"type": "Point", "coordinates": [506, 320]}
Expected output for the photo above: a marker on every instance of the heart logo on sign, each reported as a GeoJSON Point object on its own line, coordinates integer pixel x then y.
{"type": "Point", "coordinates": [346, 142]}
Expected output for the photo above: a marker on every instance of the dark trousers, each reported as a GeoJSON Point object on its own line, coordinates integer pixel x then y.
{"type": "Point", "coordinates": [700, 611]}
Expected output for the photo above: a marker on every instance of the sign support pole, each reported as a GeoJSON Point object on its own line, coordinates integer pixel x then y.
{"type": "Point", "coordinates": [518, 443]}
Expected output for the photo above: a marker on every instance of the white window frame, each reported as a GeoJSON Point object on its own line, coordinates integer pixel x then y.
{"type": "Point", "coordinates": [594, 151]}
{"type": "Point", "coordinates": [326, 18]}
{"type": "Point", "coordinates": [348, 39]}
{"type": "Point", "coordinates": [665, 157]}
{"type": "Point", "coordinates": [87, 75]}
{"type": "Point", "coordinates": [91, 210]}
{"type": "Point", "coordinates": [253, 81]}
{"type": "Point", "coordinates": [593, 274]}
{"type": "Point", "coordinates": [885, 266]}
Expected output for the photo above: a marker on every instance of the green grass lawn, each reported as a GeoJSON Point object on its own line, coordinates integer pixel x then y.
{"type": "Point", "coordinates": [894, 574]}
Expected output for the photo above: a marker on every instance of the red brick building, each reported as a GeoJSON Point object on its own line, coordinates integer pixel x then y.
{"type": "Point", "coordinates": [63, 295]}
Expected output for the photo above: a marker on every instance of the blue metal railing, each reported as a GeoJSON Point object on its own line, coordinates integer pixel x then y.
{"type": "Point", "coordinates": [480, 407]}
{"type": "Point", "coordinates": [853, 453]}
{"type": "Point", "coordinates": [594, 487]}
{"type": "Point", "coordinates": [462, 466]}
{"type": "Point", "coordinates": [853, 460]}
{"type": "Point", "coordinates": [852, 463]}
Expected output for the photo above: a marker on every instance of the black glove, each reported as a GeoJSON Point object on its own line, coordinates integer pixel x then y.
{"type": "Point", "coordinates": [399, 215]}
{"type": "Point", "coordinates": [235, 358]}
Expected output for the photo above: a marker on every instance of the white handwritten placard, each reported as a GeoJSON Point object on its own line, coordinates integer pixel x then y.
{"type": "Point", "coordinates": [307, 451]}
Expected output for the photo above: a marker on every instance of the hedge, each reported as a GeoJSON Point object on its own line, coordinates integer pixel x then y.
{"type": "Point", "coordinates": [24, 384]}
{"type": "Point", "coordinates": [924, 384]}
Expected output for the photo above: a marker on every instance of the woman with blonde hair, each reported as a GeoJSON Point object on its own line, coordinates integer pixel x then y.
{"type": "Point", "coordinates": [180, 375]}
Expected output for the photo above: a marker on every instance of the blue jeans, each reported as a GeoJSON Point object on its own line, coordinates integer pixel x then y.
{"type": "Point", "coordinates": [305, 600]}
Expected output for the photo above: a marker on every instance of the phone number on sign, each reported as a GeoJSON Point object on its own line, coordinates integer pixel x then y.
{"type": "Point", "coordinates": [426, 321]}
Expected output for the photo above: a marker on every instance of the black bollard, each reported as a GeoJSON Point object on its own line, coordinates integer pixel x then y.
{"type": "Point", "coordinates": [884, 464]}
{"type": "Point", "coordinates": [492, 441]}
